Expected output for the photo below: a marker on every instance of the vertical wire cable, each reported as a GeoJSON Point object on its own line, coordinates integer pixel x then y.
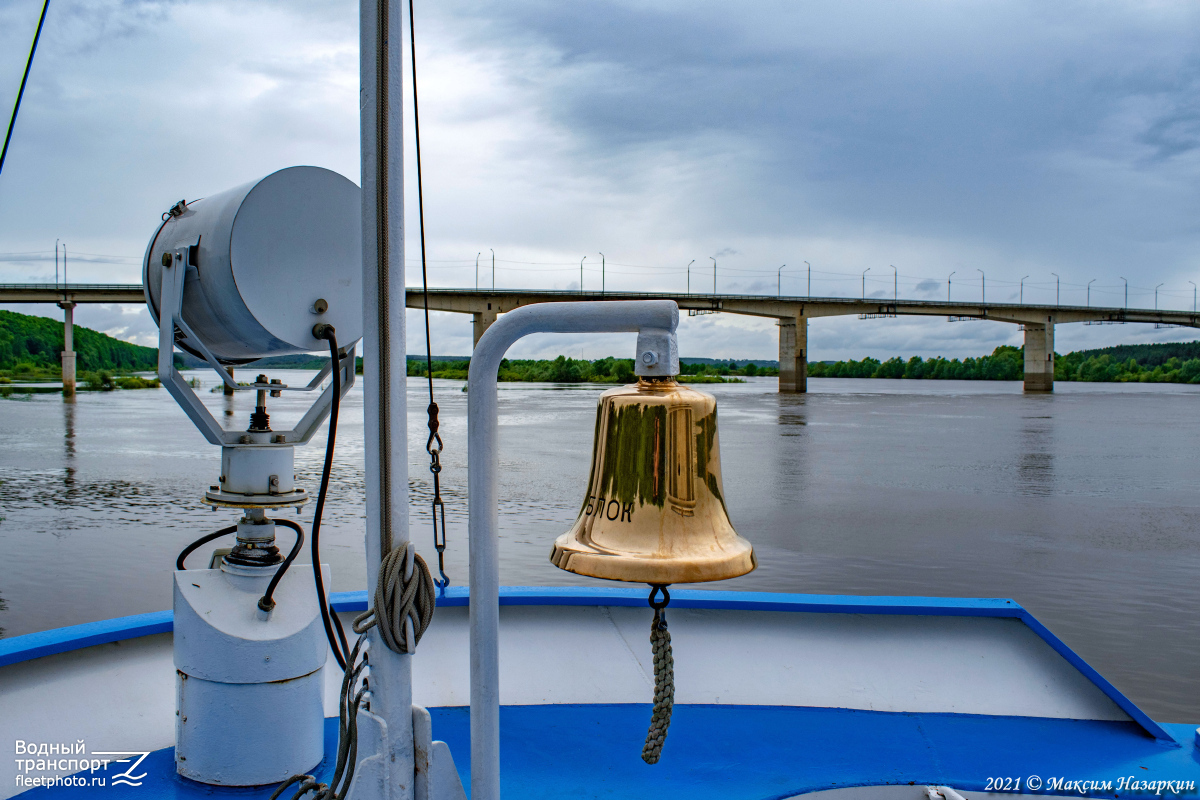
{"type": "Point", "coordinates": [433, 444]}
{"type": "Point", "coordinates": [25, 77]}
{"type": "Point", "coordinates": [412, 50]}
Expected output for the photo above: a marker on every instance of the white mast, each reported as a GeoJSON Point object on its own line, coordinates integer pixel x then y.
{"type": "Point", "coordinates": [384, 410]}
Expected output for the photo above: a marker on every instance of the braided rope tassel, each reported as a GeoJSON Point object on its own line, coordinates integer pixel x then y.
{"type": "Point", "coordinates": [664, 679]}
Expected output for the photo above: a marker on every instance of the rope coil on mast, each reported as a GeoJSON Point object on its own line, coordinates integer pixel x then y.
{"type": "Point", "coordinates": [403, 603]}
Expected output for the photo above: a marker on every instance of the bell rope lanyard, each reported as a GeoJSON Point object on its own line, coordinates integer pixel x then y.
{"type": "Point", "coordinates": [664, 676]}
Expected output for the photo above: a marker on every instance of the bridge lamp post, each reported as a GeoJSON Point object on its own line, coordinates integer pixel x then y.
{"type": "Point", "coordinates": [895, 282]}
{"type": "Point", "coordinates": [809, 278]}
{"type": "Point", "coordinates": [779, 282]}
{"type": "Point", "coordinates": [983, 284]}
{"type": "Point", "coordinates": [581, 273]}
{"type": "Point", "coordinates": [603, 267]}
{"type": "Point", "coordinates": [1057, 294]}
{"type": "Point", "coordinates": [56, 262]}
{"type": "Point", "coordinates": [714, 275]}
{"type": "Point", "coordinates": [1022, 300]}
{"type": "Point", "coordinates": [477, 255]}
{"type": "Point", "coordinates": [1089, 296]}
{"type": "Point", "coordinates": [865, 271]}
{"type": "Point", "coordinates": [1156, 297]}
{"type": "Point", "coordinates": [1193, 283]}
{"type": "Point", "coordinates": [948, 277]}
{"type": "Point", "coordinates": [493, 268]}
{"type": "Point", "coordinates": [689, 272]}
{"type": "Point", "coordinates": [1126, 294]}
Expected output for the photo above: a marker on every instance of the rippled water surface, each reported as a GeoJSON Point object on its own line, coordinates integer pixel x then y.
{"type": "Point", "coordinates": [1082, 505]}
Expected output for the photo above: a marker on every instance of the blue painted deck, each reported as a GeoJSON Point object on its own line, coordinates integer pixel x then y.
{"type": "Point", "coordinates": [757, 752]}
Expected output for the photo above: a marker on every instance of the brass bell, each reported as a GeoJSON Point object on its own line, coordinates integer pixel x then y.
{"type": "Point", "coordinates": [655, 510]}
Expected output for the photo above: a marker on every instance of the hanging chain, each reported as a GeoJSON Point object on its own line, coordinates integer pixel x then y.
{"type": "Point", "coordinates": [438, 509]}
{"type": "Point", "coordinates": [434, 444]}
{"type": "Point", "coordinates": [664, 677]}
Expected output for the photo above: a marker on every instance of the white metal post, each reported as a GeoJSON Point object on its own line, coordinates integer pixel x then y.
{"type": "Point", "coordinates": [384, 406]}
{"type": "Point", "coordinates": [644, 316]}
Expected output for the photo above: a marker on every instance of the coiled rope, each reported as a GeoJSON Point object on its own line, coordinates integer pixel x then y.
{"type": "Point", "coordinates": [664, 677]}
{"type": "Point", "coordinates": [404, 601]}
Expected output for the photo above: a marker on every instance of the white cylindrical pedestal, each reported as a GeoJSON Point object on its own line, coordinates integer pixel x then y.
{"type": "Point", "coordinates": [249, 690]}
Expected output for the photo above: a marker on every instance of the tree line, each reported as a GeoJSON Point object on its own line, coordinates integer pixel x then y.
{"type": "Point", "coordinates": [571, 370]}
{"type": "Point", "coordinates": [30, 348]}
{"type": "Point", "coordinates": [1008, 364]}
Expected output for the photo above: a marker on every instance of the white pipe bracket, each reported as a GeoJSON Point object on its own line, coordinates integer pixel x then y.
{"type": "Point", "coordinates": [657, 353]}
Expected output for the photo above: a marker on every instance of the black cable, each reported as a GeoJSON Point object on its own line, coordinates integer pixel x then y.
{"type": "Point", "coordinates": [412, 49]}
{"type": "Point", "coordinates": [187, 551]}
{"type": "Point", "coordinates": [433, 445]}
{"type": "Point", "coordinates": [265, 602]}
{"type": "Point", "coordinates": [25, 77]}
{"type": "Point", "coordinates": [337, 640]}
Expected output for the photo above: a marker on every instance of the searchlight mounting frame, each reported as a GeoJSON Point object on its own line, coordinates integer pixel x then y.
{"type": "Point", "coordinates": [172, 327]}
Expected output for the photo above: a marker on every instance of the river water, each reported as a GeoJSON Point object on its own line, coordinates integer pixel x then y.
{"type": "Point", "coordinates": [1082, 505]}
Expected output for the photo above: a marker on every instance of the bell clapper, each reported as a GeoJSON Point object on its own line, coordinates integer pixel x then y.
{"type": "Point", "coordinates": [664, 676]}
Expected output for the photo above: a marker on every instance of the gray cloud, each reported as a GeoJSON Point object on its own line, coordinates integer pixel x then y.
{"type": "Point", "coordinates": [1020, 138]}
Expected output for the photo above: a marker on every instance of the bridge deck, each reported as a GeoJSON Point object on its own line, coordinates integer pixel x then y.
{"type": "Point", "coordinates": [489, 302]}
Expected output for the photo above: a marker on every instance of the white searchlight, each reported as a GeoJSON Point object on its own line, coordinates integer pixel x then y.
{"type": "Point", "coordinates": [272, 267]}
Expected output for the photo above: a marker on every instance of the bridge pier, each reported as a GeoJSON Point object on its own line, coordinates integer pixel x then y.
{"type": "Point", "coordinates": [793, 354]}
{"type": "Point", "coordinates": [481, 321]}
{"type": "Point", "coordinates": [68, 353]}
{"type": "Point", "coordinates": [1039, 356]}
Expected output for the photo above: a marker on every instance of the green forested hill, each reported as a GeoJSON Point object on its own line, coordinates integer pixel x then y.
{"type": "Point", "coordinates": [29, 343]}
{"type": "Point", "coordinates": [1147, 355]}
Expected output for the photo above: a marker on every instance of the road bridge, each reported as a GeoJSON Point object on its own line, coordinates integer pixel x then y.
{"type": "Point", "coordinates": [792, 314]}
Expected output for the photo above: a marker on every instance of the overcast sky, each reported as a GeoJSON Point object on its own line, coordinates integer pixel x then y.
{"type": "Point", "coordinates": [1017, 138]}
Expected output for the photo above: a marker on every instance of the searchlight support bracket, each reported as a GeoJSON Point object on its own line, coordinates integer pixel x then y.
{"type": "Point", "coordinates": [655, 322]}
{"type": "Point", "coordinates": [171, 327]}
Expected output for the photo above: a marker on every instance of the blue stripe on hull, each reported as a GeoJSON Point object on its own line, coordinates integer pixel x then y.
{"type": "Point", "coordinates": [757, 752]}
